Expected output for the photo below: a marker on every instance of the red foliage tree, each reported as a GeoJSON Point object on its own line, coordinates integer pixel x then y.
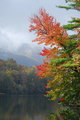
{"type": "Point", "coordinates": [49, 32]}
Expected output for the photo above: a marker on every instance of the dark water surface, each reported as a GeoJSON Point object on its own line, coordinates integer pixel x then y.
{"type": "Point", "coordinates": [28, 107]}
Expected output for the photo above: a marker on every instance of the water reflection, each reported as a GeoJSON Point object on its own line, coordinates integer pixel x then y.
{"type": "Point", "coordinates": [25, 108]}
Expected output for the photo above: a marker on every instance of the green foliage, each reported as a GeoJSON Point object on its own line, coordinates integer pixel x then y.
{"type": "Point", "coordinates": [67, 8]}
{"type": "Point", "coordinates": [73, 1]}
{"type": "Point", "coordinates": [59, 61]}
{"type": "Point", "coordinates": [72, 36]}
{"type": "Point", "coordinates": [71, 26]}
{"type": "Point", "coordinates": [17, 79]}
{"type": "Point", "coordinates": [74, 20]}
{"type": "Point", "coordinates": [75, 4]}
{"type": "Point", "coordinates": [66, 68]}
{"type": "Point", "coordinates": [65, 113]}
{"type": "Point", "coordinates": [63, 56]}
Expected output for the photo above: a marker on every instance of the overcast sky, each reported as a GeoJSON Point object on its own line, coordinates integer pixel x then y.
{"type": "Point", "coordinates": [15, 15]}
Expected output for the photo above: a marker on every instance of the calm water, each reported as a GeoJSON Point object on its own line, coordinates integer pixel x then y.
{"type": "Point", "coordinates": [25, 107]}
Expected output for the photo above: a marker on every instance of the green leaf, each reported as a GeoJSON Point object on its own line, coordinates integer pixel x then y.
{"type": "Point", "coordinates": [71, 26]}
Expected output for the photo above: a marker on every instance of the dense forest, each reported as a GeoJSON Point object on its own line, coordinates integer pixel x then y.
{"type": "Point", "coordinates": [18, 79]}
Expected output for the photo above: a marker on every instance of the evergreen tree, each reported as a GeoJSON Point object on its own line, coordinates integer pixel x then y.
{"type": "Point", "coordinates": [62, 64]}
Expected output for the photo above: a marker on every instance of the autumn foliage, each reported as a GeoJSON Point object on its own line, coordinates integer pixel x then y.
{"type": "Point", "coordinates": [62, 56]}
{"type": "Point", "coordinates": [48, 31]}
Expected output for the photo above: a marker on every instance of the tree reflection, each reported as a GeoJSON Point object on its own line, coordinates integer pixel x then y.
{"type": "Point", "coordinates": [28, 107]}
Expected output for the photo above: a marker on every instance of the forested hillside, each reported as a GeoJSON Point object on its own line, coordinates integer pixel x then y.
{"type": "Point", "coordinates": [18, 79]}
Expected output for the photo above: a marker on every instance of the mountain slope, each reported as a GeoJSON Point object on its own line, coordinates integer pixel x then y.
{"type": "Point", "coordinates": [20, 59]}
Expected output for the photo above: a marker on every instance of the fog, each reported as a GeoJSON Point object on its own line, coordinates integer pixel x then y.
{"type": "Point", "coordinates": [14, 23]}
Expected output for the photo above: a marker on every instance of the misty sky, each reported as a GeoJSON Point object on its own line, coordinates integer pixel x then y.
{"type": "Point", "coordinates": [14, 20]}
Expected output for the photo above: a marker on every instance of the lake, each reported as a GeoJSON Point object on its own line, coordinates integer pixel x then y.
{"type": "Point", "coordinates": [29, 107]}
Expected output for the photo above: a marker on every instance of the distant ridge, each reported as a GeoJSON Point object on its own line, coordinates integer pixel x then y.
{"type": "Point", "coordinates": [20, 59]}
